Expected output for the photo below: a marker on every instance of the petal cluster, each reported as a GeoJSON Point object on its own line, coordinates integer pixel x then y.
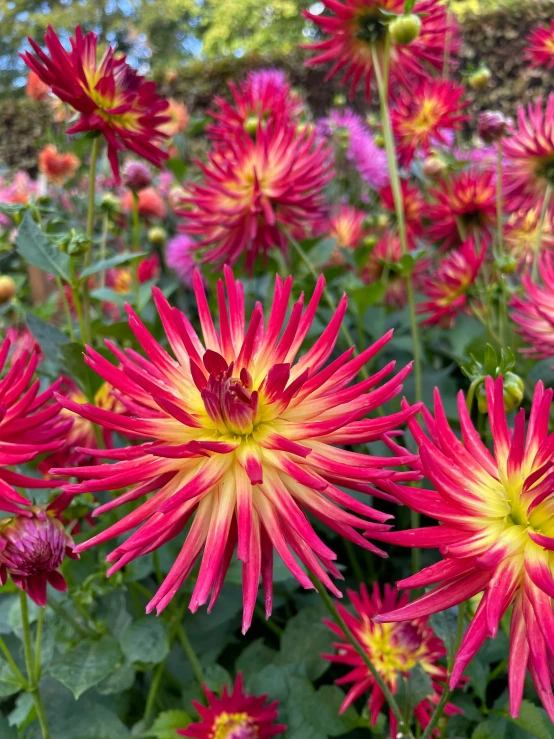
{"type": "Point", "coordinates": [241, 442]}
{"type": "Point", "coordinates": [496, 532]}
{"type": "Point", "coordinates": [534, 313]}
{"type": "Point", "coordinates": [58, 167]}
{"type": "Point", "coordinates": [447, 287]}
{"type": "Point", "coordinates": [540, 49]}
{"type": "Point", "coordinates": [423, 116]}
{"type": "Point", "coordinates": [353, 27]}
{"type": "Point", "coordinates": [346, 225]}
{"type": "Point", "coordinates": [235, 716]}
{"type": "Point", "coordinates": [395, 649]}
{"type": "Point", "coordinates": [30, 424]}
{"type": "Point", "coordinates": [253, 188]}
{"type": "Point", "coordinates": [109, 94]}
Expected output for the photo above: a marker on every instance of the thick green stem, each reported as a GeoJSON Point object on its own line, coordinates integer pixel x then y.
{"type": "Point", "coordinates": [103, 245]}
{"type": "Point", "coordinates": [136, 246]}
{"type": "Point", "coordinates": [382, 85]}
{"type": "Point", "coordinates": [77, 301]}
{"type": "Point", "coordinates": [538, 244]}
{"type": "Point", "coordinates": [447, 693]}
{"type": "Point", "coordinates": [402, 727]}
{"type": "Point", "coordinates": [153, 694]}
{"type": "Point", "coordinates": [33, 665]}
{"type": "Point", "coordinates": [90, 232]}
{"type": "Point", "coordinates": [191, 654]}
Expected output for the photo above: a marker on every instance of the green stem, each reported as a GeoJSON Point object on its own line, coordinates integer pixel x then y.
{"type": "Point", "coordinates": [402, 728]}
{"type": "Point", "coordinates": [10, 660]}
{"type": "Point", "coordinates": [447, 692]}
{"type": "Point", "coordinates": [62, 613]}
{"type": "Point", "coordinates": [271, 625]}
{"type": "Point", "coordinates": [87, 338]}
{"type": "Point", "coordinates": [77, 301]}
{"type": "Point", "coordinates": [103, 245]}
{"type": "Point", "coordinates": [38, 643]}
{"type": "Point", "coordinates": [538, 244]}
{"type": "Point", "coordinates": [136, 246]}
{"type": "Point", "coordinates": [153, 693]}
{"type": "Point", "coordinates": [356, 567]}
{"type": "Point", "coordinates": [191, 654]}
{"type": "Point", "coordinates": [67, 309]}
{"type": "Point", "coordinates": [382, 85]}
{"type": "Point", "coordinates": [31, 663]}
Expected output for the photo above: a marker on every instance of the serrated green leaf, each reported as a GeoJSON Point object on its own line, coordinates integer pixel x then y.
{"type": "Point", "coordinates": [146, 641]}
{"type": "Point", "coordinates": [303, 642]}
{"type": "Point", "coordinates": [115, 261]}
{"type": "Point", "coordinates": [216, 677]}
{"type": "Point", "coordinates": [445, 624]}
{"type": "Point", "coordinates": [87, 664]}
{"type": "Point", "coordinates": [34, 247]}
{"type": "Point", "coordinates": [315, 715]}
{"type": "Point", "coordinates": [534, 720]}
{"type": "Point", "coordinates": [492, 728]}
{"type": "Point", "coordinates": [255, 657]}
{"type": "Point", "coordinates": [9, 683]}
{"type": "Point", "coordinates": [166, 724]}
{"type": "Point", "coordinates": [24, 706]}
{"type": "Point", "coordinates": [413, 689]}
{"type": "Point", "coordinates": [50, 339]}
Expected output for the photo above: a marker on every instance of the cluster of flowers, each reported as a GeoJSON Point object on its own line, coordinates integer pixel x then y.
{"type": "Point", "coordinates": [237, 436]}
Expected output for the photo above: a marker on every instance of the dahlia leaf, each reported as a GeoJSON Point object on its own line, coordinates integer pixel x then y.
{"type": "Point", "coordinates": [315, 715]}
{"type": "Point", "coordinates": [9, 684]}
{"type": "Point", "coordinates": [146, 641]}
{"type": "Point", "coordinates": [534, 720]}
{"type": "Point", "coordinates": [444, 624]}
{"type": "Point", "coordinates": [255, 657]}
{"type": "Point", "coordinates": [119, 681]}
{"type": "Point", "coordinates": [49, 337]}
{"type": "Point", "coordinates": [492, 728]}
{"type": "Point", "coordinates": [87, 664]}
{"type": "Point", "coordinates": [115, 261]}
{"type": "Point", "coordinates": [321, 252]}
{"type": "Point", "coordinates": [166, 724]}
{"type": "Point", "coordinates": [216, 677]}
{"type": "Point", "coordinates": [7, 731]}
{"type": "Point", "coordinates": [22, 712]}
{"type": "Point", "coordinates": [305, 639]}
{"type": "Point", "coordinates": [35, 249]}
{"type": "Point", "coordinates": [413, 689]}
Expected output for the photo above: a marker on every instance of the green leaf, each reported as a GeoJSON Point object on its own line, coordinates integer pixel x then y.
{"type": "Point", "coordinates": [304, 640]}
{"type": "Point", "coordinates": [413, 689]}
{"type": "Point", "coordinates": [255, 657]}
{"type": "Point", "coordinates": [115, 261]}
{"type": "Point", "coordinates": [7, 731]}
{"type": "Point", "coordinates": [34, 247]}
{"type": "Point", "coordinates": [87, 664]}
{"type": "Point", "coordinates": [315, 715]}
{"type": "Point", "coordinates": [106, 294]}
{"type": "Point", "coordinates": [177, 167]}
{"type": "Point", "coordinates": [146, 641]}
{"type": "Point", "coordinates": [74, 364]}
{"type": "Point", "coordinates": [166, 724]}
{"type": "Point", "coordinates": [366, 296]}
{"type": "Point", "coordinates": [119, 681]}
{"type": "Point", "coordinates": [216, 677]}
{"type": "Point", "coordinates": [492, 728]}
{"type": "Point", "coordinates": [23, 707]}
{"type": "Point", "coordinates": [50, 338]}
{"type": "Point", "coordinates": [9, 684]}
{"type": "Point", "coordinates": [320, 254]}
{"type": "Point", "coordinates": [478, 673]}
{"type": "Point", "coordinates": [445, 625]}
{"type": "Point", "coordinates": [534, 720]}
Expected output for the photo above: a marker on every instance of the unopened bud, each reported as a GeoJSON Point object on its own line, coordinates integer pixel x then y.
{"type": "Point", "coordinates": [405, 29]}
{"type": "Point", "coordinates": [434, 167]}
{"type": "Point", "coordinates": [157, 236]}
{"type": "Point", "coordinates": [479, 79]}
{"type": "Point", "coordinates": [506, 263]}
{"type": "Point", "coordinates": [513, 391]}
{"type": "Point", "coordinates": [137, 176]}
{"type": "Point", "coordinates": [251, 125]}
{"type": "Point", "coordinates": [7, 289]}
{"type": "Point", "coordinates": [493, 125]}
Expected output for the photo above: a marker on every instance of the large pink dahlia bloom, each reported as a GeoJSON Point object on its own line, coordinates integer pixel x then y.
{"type": "Point", "coordinates": [534, 312]}
{"type": "Point", "coordinates": [395, 649]}
{"type": "Point", "coordinates": [540, 49]}
{"type": "Point", "coordinates": [241, 442]}
{"type": "Point", "coordinates": [30, 425]}
{"type": "Point", "coordinates": [235, 716]}
{"type": "Point", "coordinates": [496, 533]}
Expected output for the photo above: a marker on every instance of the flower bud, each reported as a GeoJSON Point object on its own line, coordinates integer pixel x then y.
{"type": "Point", "coordinates": [493, 125]}
{"type": "Point", "coordinates": [109, 203]}
{"type": "Point", "coordinates": [379, 140]}
{"type": "Point", "coordinates": [157, 236]}
{"type": "Point", "coordinates": [481, 398]}
{"type": "Point", "coordinates": [32, 547]}
{"type": "Point", "coordinates": [251, 125]}
{"type": "Point", "coordinates": [369, 242]}
{"type": "Point", "coordinates": [434, 167]}
{"type": "Point", "coordinates": [506, 263]}
{"type": "Point", "coordinates": [479, 79]}
{"type": "Point", "coordinates": [136, 176]}
{"type": "Point", "coordinates": [404, 29]}
{"type": "Point", "coordinates": [7, 289]}
{"type": "Point", "coordinates": [513, 391]}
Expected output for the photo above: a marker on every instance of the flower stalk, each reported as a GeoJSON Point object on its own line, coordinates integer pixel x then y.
{"type": "Point", "coordinates": [32, 663]}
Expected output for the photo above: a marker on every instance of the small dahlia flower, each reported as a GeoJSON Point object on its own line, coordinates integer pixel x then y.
{"type": "Point", "coordinates": [109, 94]}
{"type": "Point", "coordinates": [346, 226]}
{"type": "Point", "coordinates": [234, 716]}
{"type": "Point", "coordinates": [150, 203]}
{"type": "Point", "coordinates": [422, 117]}
{"type": "Point", "coordinates": [540, 49]}
{"type": "Point", "coordinates": [265, 96]}
{"type": "Point", "coordinates": [179, 257]}
{"type": "Point", "coordinates": [463, 207]}
{"type": "Point", "coordinates": [534, 313]}
{"type": "Point", "coordinates": [178, 118]}
{"type": "Point", "coordinates": [56, 166]}
{"type": "Point", "coordinates": [529, 157]}
{"type": "Point", "coordinates": [240, 442]}
{"type": "Point", "coordinates": [36, 88]}
{"type": "Point", "coordinates": [348, 132]}
{"type": "Point", "coordinates": [33, 545]}
{"type": "Point", "coordinates": [521, 234]}
{"type": "Point", "coordinates": [354, 26]}
{"type": "Point", "coordinates": [446, 288]}
{"type": "Point", "coordinates": [413, 204]}
{"type": "Point", "coordinates": [253, 188]}
{"type": "Point", "coordinates": [30, 424]}
{"type": "Point", "coordinates": [496, 533]}
{"type": "Point", "coordinates": [387, 251]}
{"type": "Point", "coordinates": [394, 649]}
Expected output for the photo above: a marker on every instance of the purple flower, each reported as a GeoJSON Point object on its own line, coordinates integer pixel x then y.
{"type": "Point", "coordinates": [179, 258]}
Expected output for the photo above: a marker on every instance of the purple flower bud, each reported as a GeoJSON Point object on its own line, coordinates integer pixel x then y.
{"type": "Point", "coordinates": [137, 176]}
{"type": "Point", "coordinates": [493, 125]}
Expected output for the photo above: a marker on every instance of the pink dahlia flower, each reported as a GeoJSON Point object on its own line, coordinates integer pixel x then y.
{"type": "Point", "coordinates": [33, 545]}
{"type": "Point", "coordinates": [354, 26]}
{"type": "Point", "coordinates": [414, 207]}
{"type": "Point", "coordinates": [110, 96]}
{"type": "Point", "coordinates": [387, 252]}
{"type": "Point", "coordinates": [30, 425]}
{"type": "Point", "coordinates": [179, 258]}
{"type": "Point", "coordinates": [496, 533]}
{"type": "Point", "coordinates": [253, 188]}
{"type": "Point", "coordinates": [395, 649]}
{"type": "Point", "coordinates": [235, 716]}
{"type": "Point", "coordinates": [534, 313]}
{"type": "Point", "coordinates": [346, 225]}
{"type": "Point", "coordinates": [540, 49]}
{"type": "Point", "coordinates": [240, 441]}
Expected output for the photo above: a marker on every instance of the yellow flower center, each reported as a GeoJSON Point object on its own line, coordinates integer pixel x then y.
{"type": "Point", "coordinates": [394, 648]}
{"type": "Point", "coordinates": [234, 726]}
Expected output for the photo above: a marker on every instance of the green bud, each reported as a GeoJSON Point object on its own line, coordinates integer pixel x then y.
{"type": "Point", "coordinates": [379, 140]}
{"type": "Point", "coordinates": [157, 236]}
{"type": "Point", "coordinates": [251, 125]}
{"type": "Point", "coordinates": [109, 203]}
{"type": "Point", "coordinates": [506, 263]}
{"type": "Point", "coordinates": [404, 29]}
{"type": "Point", "coordinates": [369, 241]}
{"type": "Point", "coordinates": [479, 79]}
{"type": "Point", "coordinates": [513, 391]}
{"type": "Point", "coordinates": [481, 398]}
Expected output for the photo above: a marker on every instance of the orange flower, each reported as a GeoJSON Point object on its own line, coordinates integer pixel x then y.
{"type": "Point", "coordinates": [179, 118]}
{"type": "Point", "coordinates": [36, 89]}
{"type": "Point", "coordinates": [150, 203]}
{"type": "Point", "coordinates": [58, 167]}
